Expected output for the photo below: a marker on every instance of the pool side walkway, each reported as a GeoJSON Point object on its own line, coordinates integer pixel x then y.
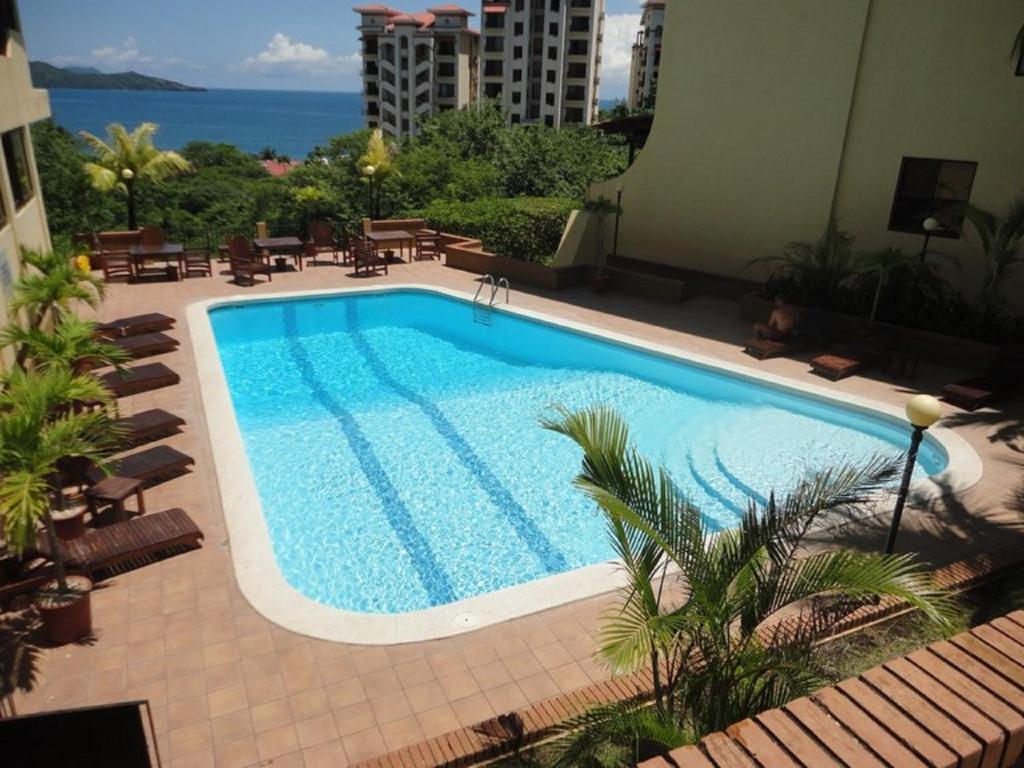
{"type": "Point", "coordinates": [229, 688]}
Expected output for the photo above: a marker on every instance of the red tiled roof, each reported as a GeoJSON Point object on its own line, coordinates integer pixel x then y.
{"type": "Point", "coordinates": [450, 10]}
{"type": "Point", "coordinates": [422, 19]}
{"type": "Point", "coordinates": [374, 9]}
{"type": "Point", "coordinates": [277, 168]}
{"type": "Point", "coordinates": [495, 8]}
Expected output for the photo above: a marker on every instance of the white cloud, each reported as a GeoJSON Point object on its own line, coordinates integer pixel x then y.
{"type": "Point", "coordinates": [619, 34]}
{"type": "Point", "coordinates": [129, 51]}
{"type": "Point", "coordinates": [282, 54]}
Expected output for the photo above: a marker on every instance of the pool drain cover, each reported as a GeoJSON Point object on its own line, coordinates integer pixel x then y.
{"type": "Point", "coordinates": [466, 620]}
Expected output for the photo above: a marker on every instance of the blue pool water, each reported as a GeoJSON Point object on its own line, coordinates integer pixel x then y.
{"type": "Point", "coordinates": [396, 449]}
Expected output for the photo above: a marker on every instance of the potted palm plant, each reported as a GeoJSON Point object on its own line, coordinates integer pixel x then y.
{"type": "Point", "coordinates": [601, 208]}
{"type": "Point", "coordinates": [38, 428]}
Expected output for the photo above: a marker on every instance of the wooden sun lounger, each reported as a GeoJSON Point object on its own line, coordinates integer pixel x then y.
{"type": "Point", "coordinates": [148, 425]}
{"type": "Point", "coordinates": [146, 344]}
{"type": "Point", "coordinates": [837, 365]}
{"type": "Point", "coordinates": [149, 465]}
{"type": "Point", "coordinates": [151, 322]}
{"type": "Point", "coordinates": [971, 394]}
{"type": "Point", "coordinates": [140, 378]}
{"type": "Point", "coordinates": [112, 545]}
{"type": "Point", "coordinates": [763, 349]}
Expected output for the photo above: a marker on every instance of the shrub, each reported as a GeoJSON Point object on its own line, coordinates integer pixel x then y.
{"type": "Point", "coordinates": [527, 228]}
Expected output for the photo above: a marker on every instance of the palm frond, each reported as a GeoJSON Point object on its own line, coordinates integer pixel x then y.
{"type": "Point", "coordinates": [620, 734]}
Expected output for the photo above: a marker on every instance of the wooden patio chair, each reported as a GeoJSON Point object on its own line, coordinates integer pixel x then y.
{"type": "Point", "coordinates": [244, 266]}
{"type": "Point", "coordinates": [322, 240]}
{"type": "Point", "coordinates": [366, 257]}
{"type": "Point", "coordinates": [152, 236]}
{"type": "Point", "coordinates": [197, 263]}
{"type": "Point", "coordinates": [428, 246]}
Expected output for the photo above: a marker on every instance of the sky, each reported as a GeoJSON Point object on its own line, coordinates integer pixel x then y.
{"type": "Point", "coordinates": [309, 45]}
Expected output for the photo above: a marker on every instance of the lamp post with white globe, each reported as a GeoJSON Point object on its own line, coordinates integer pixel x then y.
{"type": "Point", "coordinates": [368, 172]}
{"type": "Point", "coordinates": [930, 226]}
{"type": "Point", "coordinates": [128, 176]}
{"type": "Point", "coordinates": [922, 412]}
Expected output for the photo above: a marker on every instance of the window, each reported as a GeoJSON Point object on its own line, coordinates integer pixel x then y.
{"type": "Point", "coordinates": [575, 93]}
{"type": "Point", "coordinates": [494, 21]}
{"type": "Point", "coordinates": [492, 68]}
{"type": "Point", "coordinates": [405, 124]}
{"type": "Point", "coordinates": [519, 6]}
{"type": "Point", "coordinates": [517, 28]}
{"type": "Point", "coordinates": [517, 52]}
{"type": "Point", "coordinates": [549, 99]}
{"type": "Point", "coordinates": [578, 47]}
{"type": "Point", "coordinates": [517, 75]}
{"type": "Point", "coordinates": [446, 69]}
{"type": "Point", "coordinates": [517, 97]}
{"type": "Point", "coordinates": [556, 5]}
{"type": "Point", "coordinates": [1020, 59]}
{"type": "Point", "coordinates": [549, 121]}
{"type": "Point", "coordinates": [579, 24]}
{"type": "Point", "coordinates": [371, 89]}
{"type": "Point", "coordinates": [929, 187]}
{"type": "Point", "coordinates": [371, 67]}
{"type": "Point", "coordinates": [553, 29]}
{"type": "Point", "coordinates": [551, 75]}
{"type": "Point", "coordinates": [573, 115]}
{"type": "Point", "coordinates": [516, 119]}
{"type": "Point", "coordinates": [370, 46]}
{"type": "Point", "coordinates": [494, 44]}
{"type": "Point", "coordinates": [552, 52]}
{"type": "Point", "coordinates": [579, 3]}
{"type": "Point", "coordinates": [578, 71]}
{"type": "Point", "coordinates": [8, 23]}
{"type": "Point", "coordinates": [446, 90]}
{"type": "Point", "coordinates": [446, 48]}
{"type": "Point", "coordinates": [16, 155]}
{"type": "Point", "coordinates": [492, 90]}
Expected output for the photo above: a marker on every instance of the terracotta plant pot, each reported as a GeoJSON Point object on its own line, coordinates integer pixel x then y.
{"type": "Point", "coordinates": [69, 523]}
{"type": "Point", "coordinates": [66, 617]}
{"type": "Point", "coordinates": [599, 282]}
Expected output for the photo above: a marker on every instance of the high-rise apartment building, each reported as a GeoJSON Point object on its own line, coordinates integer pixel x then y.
{"type": "Point", "coordinates": [643, 68]}
{"type": "Point", "coordinates": [415, 65]}
{"type": "Point", "coordinates": [541, 59]}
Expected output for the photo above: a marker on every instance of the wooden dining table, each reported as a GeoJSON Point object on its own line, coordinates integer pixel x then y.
{"type": "Point", "coordinates": [276, 246]}
{"type": "Point", "coordinates": [171, 254]}
{"type": "Point", "coordinates": [386, 237]}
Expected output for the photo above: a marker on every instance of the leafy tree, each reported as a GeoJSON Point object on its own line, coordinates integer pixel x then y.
{"type": "Point", "coordinates": [377, 165]}
{"type": "Point", "coordinates": [700, 605]}
{"type": "Point", "coordinates": [1002, 245]}
{"type": "Point", "coordinates": [126, 159]}
{"type": "Point", "coordinates": [51, 283]}
{"type": "Point", "coordinates": [72, 343]}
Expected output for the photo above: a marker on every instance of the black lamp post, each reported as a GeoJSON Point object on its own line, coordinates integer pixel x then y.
{"type": "Point", "coordinates": [369, 171]}
{"type": "Point", "coordinates": [922, 412]}
{"type": "Point", "coordinates": [128, 176]}
{"type": "Point", "coordinates": [929, 225]}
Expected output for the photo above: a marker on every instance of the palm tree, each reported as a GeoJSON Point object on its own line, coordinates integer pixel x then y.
{"type": "Point", "coordinates": [699, 606]}
{"type": "Point", "coordinates": [601, 208]}
{"type": "Point", "coordinates": [125, 159]}
{"type": "Point", "coordinates": [39, 427]}
{"type": "Point", "coordinates": [72, 343]}
{"type": "Point", "coordinates": [816, 270]}
{"type": "Point", "coordinates": [1000, 240]}
{"type": "Point", "coordinates": [375, 166]}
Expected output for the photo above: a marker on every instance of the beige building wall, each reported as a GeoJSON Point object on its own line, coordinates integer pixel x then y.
{"type": "Point", "coordinates": [22, 226]}
{"type": "Point", "coordinates": [772, 114]}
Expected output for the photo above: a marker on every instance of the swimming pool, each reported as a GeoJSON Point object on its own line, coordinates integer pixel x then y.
{"type": "Point", "coordinates": [394, 447]}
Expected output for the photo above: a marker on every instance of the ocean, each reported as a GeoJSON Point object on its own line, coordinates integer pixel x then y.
{"type": "Point", "coordinates": [292, 122]}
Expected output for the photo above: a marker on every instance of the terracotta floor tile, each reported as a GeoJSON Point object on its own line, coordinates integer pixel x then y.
{"type": "Point", "coordinates": [552, 655]}
{"type": "Point", "coordinates": [224, 676]}
{"type": "Point", "coordinates": [186, 712]}
{"type": "Point", "coordinates": [183, 662]}
{"type": "Point", "coordinates": [415, 672]}
{"type": "Point", "coordinates": [330, 755]}
{"type": "Point", "coordinates": [316, 730]}
{"type": "Point", "coordinates": [364, 745]}
{"type": "Point", "coordinates": [203, 759]}
{"type": "Point", "coordinates": [522, 665]}
{"type": "Point", "coordinates": [196, 737]}
{"type": "Point", "coordinates": [354, 718]}
{"type": "Point", "coordinates": [506, 698]}
{"type": "Point", "coordinates": [569, 677]}
{"type": "Point", "coordinates": [369, 660]}
{"type": "Point", "coordinates": [309, 704]}
{"type": "Point", "coordinates": [491, 674]}
{"type": "Point", "coordinates": [447, 664]}
{"type": "Point", "coordinates": [227, 700]}
{"type": "Point", "coordinates": [237, 754]}
{"type": "Point", "coordinates": [218, 654]}
{"type": "Point", "coordinates": [459, 685]}
{"type": "Point", "coordinates": [337, 670]}
{"type": "Point", "coordinates": [538, 687]}
{"type": "Point", "coordinates": [186, 686]}
{"type": "Point", "coordinates": [434, 722]}
{"type": "Point", "coordinates": [234, 727]}
{"type": "Point", "coordinates": [263, 689]}
{"type": "Point", "coordinates": [255, 644]}
{"type": "Point", "coordinates": [277, 742]}
{"type": "Point", "coordinates": [401, 733]}
{"type": "Point", "coordinates": [479, 652]}
{"type": "Point", "coordinates": [425, 696]}
{"type": "Point", "coordinates": [472, 709]}
{"type": "Point", "coordinates": [300, 679]}
{"type": "Point", "coordinates": [343, 694]}
{"type": "Point", "coordinates": [141, 672]}
{"type": "Point", "coordinates": [382, 682]}
{"type": "Point", "coordinates": [394, 706]}
{"type": "Point", "coordinates": [273, 714]}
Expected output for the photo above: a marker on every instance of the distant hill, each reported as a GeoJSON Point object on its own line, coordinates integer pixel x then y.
{"type": "Point", "coordinates": [48, 76]}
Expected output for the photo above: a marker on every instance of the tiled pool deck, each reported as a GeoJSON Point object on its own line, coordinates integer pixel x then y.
{"type": "Point", "coordinates": [229, 688]}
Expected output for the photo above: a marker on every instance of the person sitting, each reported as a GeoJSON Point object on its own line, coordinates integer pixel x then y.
{"type": "Point", "coordinates": [783, 323]}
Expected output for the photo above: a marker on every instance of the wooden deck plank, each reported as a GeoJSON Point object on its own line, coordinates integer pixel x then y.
{"type": "Point", "coordinates": [874, 736]}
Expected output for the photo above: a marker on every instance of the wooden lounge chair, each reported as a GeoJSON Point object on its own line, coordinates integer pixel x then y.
{"type": "Point", "coordinates": [103, 548]}
{"type": "Point", "coordinates": [139, 378]}
{"type": "Point", "coordinates": [763, 349]}
{"type": "Point", "coordinates": [148, 425]}
{"type": "Point", "coordinates": [366, 256]}
{"type": "Point", "coordinates": [197, 263]}
{"type": "Point", "coordinates": [146, 344]}
{"type": "Point", "coordinates": [151, 322]}
{"type": "Point", "coordinates": [428, 245]}
{"type": "Point", "coordinates": [150, 465]}
{"type": "Point", "coordinates": [1005, 375]}
{"type": "Point", "coordinates": [244, 266]}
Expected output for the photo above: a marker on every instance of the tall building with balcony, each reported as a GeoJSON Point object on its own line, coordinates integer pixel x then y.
{"type": "Point", "coordinates": [540, 59]}
{"type": "Point", "coordinates": [415, 65]}
{"type": "Point", "coordinates": [646, 60]}
{"type": "Point", "coordinates": [22, 215]}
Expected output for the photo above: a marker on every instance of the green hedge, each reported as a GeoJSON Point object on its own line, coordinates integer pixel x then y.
{"type": "Point", "coordinates": [527, 228]}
